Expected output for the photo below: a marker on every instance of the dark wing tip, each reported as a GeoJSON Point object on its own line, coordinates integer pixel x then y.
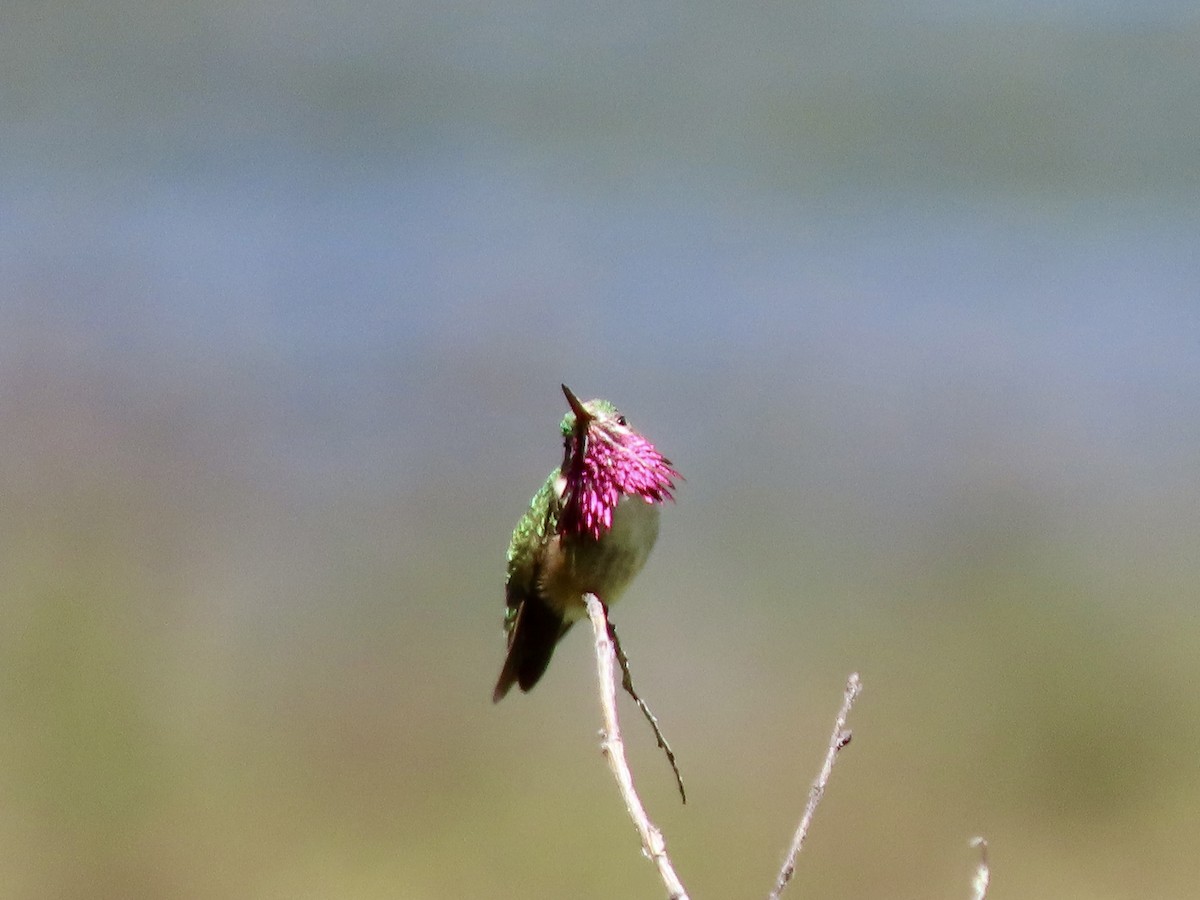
{"type": "Point", "coordinates": [536, 630]}
{"type": "Point", "coordinates": [504, 683]}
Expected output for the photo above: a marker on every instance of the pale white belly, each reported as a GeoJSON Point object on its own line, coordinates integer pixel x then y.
{"type": "Point", "coordinates": [604, 567]}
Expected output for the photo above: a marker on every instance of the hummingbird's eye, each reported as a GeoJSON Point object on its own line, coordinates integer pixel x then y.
{"type": "Point", "coordinates": [622, 421]}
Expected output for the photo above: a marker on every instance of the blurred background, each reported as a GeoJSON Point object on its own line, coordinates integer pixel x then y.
{"type": "Point", "coordinates": [909, 290]}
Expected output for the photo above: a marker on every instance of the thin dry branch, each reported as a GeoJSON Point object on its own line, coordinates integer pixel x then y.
{"type": "Point", "coordinates": [613, 747]}
{"type": "Point", "coordinates": [983, 875]}
{"type": "Point", "coordinates": [627, 683]}
{"type": "Point", "coordinates": [837, 740]}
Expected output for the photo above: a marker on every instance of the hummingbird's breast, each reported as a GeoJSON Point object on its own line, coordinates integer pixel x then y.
{"type": "Point", "coordinates": [580, 564]}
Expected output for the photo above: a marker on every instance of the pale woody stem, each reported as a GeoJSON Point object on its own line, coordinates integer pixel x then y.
{"type": "Point", "coordinates": [613, 747]}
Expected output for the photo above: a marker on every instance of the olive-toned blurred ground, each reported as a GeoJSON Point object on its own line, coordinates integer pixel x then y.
{"type": "Point", "coordinates": [908, 292]}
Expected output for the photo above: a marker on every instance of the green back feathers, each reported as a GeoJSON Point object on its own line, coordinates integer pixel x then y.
{"type": "Point", "coordinates": [532, 531]}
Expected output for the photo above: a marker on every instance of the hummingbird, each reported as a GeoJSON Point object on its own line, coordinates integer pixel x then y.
{"type": "Point", "coordinates": [589, 529]}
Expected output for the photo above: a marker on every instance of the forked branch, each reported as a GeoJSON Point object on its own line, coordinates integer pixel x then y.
{"type": "Point", "coordinates": [627, 683]}
{"type": "Point", "coordinates": [613, 747]}
{"type": "Point", "coordinates": [654, 845]}
{"type": "Point", "coordinates": [837, 740]}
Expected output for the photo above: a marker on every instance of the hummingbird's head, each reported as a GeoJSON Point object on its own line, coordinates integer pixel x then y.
{"type": "Point", "coordinates": [603, 460]}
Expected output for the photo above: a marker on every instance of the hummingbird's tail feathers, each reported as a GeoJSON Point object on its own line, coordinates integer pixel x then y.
{"type": "Point", "coordinates": [535, 631]}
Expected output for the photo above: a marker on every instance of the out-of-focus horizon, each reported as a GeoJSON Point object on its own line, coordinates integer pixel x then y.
{"type": "Point", "coordinates": [908, 291]}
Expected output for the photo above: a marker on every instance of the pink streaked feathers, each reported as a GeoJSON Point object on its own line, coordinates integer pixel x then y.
{"type": "Point", "coordinates": [603, 463]}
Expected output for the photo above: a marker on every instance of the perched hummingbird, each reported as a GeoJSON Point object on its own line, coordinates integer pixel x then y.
{"type": "Point", "coordinates": [588, 530]}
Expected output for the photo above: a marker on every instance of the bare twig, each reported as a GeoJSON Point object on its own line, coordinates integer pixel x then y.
{"type": "Point", "coordinates": [627, 683]}
{"type": "Point", "coordinates": [653, 843]}
{"type": "Point", "coordinates": [983, 876]}
{"type": "Point", "coordinates": [839, 739]}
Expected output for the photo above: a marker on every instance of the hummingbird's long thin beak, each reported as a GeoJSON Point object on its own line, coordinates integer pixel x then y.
{"type": "Point", "coordinates": [582, 416]}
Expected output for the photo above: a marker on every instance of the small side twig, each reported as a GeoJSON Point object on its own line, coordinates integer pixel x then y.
{"type": "Point", "coordinates": [613, 747]}
{"type": "Point", "coordinates": [983, 876]}
{"type": "Point", "coordinates": [837, 740]}
{"type": "Point", "coordinates": [627, 684]}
